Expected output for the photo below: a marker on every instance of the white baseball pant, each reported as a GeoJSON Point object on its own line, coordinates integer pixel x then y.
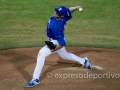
{"type": "Point", "coordinates": [45, 51]}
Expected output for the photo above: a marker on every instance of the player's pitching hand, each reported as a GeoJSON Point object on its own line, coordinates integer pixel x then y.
{"type": "Point", "coordinates": [79, 8]}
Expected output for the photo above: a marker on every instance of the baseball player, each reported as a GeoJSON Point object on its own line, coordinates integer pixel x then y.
{"type": "Point", "coordinates": [56, 42]}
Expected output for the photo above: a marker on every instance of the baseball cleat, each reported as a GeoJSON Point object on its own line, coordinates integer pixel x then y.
{"type": "Point", "coordinates": [87, 63]}
{"type": "Point", "coordinates": [33, 83]}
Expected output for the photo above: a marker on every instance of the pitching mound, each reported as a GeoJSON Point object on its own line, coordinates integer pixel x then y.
{"type": "Point", "coordinates": [17, 66]}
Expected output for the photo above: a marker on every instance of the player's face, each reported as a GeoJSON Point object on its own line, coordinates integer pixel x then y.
{"type": "Point", "coordinates": [56, 15]}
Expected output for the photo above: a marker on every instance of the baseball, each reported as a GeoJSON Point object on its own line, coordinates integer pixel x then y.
{"type": "Point", "coordinates": [80, 9]}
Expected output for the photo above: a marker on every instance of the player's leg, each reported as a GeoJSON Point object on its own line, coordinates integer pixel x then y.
{"type": "Point", "coordinates": [43, 53]}
{"type": "Point", "coordinates": [69, 56]}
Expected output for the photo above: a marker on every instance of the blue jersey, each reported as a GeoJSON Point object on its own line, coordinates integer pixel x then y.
{"type": "Point", "coordinates": [55, 29]}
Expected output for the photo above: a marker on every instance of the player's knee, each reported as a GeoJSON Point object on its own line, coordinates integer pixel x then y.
{"type": "Point", "coordinates": [44, 55]}
{"type": "Point", "coordinates": [41, 55]}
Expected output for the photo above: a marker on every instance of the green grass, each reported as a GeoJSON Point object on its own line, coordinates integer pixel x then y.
{"type": "Point", "coordinates": [23, 23]}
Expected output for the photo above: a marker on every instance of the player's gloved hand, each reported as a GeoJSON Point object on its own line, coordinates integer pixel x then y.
{"type": "Point", "coordinates": [50, 45]}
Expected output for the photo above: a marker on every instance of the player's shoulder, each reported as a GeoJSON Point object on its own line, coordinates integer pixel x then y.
{"type": "Point", "coordinates": [60, 22]}
{"type": "Point", "coordinates": [52, 17]}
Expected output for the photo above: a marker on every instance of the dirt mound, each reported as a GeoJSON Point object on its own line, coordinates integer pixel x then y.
{"type": "Point", "coordinates": [17, 66]}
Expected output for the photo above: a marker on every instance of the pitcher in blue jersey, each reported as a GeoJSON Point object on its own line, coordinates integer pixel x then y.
{"type": "Point", "coordinates": [55, 33]}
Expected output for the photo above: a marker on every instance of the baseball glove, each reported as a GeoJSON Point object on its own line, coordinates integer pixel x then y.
{"type": "Point", "coordinates": [50, 45]}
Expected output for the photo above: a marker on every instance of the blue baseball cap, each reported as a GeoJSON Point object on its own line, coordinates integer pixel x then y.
{"type": "Point", "coordinates": [61, 11]}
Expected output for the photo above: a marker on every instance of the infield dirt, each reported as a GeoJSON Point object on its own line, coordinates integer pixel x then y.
{"type": "Point", "coordinates": [17, 66]}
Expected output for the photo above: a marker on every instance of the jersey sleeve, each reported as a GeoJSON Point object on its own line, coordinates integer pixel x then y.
{"type": "Point", "coordinates": [68, 15]}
